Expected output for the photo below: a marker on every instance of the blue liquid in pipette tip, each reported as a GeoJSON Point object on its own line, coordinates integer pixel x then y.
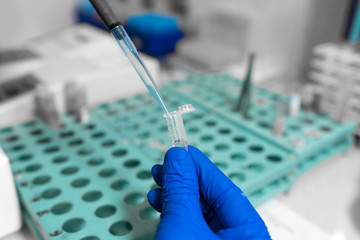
{"type": "Point", "coordinates": [130, 51]}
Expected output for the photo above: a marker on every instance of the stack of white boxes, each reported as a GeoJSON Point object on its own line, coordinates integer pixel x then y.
{"type": "Point", "coordinates": [336, 70]}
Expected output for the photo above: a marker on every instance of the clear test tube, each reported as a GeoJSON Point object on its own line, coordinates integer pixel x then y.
{"type": "Point", "coordinates": [176, 128]}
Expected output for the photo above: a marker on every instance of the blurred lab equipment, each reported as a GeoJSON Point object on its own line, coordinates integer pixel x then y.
{"type": "Point", "coordinates": [72, 53]}
{"type": "Point", "coordinates": [244, 102]}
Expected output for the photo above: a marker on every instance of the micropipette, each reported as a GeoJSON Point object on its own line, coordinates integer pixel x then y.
{"type": "Point", "coordinates": [117, 30]}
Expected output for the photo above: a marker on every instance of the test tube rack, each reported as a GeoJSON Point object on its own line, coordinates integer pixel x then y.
{"type": "Point", "coordinates": [335, 69]}
{"type": "Point", "coordinates": [89, 180]}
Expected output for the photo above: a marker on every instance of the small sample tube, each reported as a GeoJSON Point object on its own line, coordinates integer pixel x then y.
{"type": "Point", "coordinates": [176, 128]}
{"type": "Point", "coordinates": [76, 101]}
{"type": "Point", "coordinates": [294, 105]}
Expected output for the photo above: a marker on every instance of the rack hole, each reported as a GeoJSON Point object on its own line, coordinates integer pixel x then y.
{"type": "Point", "coordinates": [61, 208]}
{"type": "Point", "coordinates": [134, 198]}
{"type": "Point", "coordinates": [89, 126]}
{"type": "Point", "coordinates": [237, 177]}
{"type": "Point", "coordinates": [66, 134]}
{"type": "Point", "coordinates": [25, 157]}
{"type": "Point", "coordinates": [238, 157]}
{"type": "Point", "coordinates": [80, 182]}
{"type": "Point", "coordinates": [36, 132]}
{"type": "Point", "coordinates": [132, 163]}
{"type": "Point", "coordinates": [85, 151]}
{"type": "Point", "coordinates": [90, 238]}
{"type": "Point", "coordinates": [119, 185]}
{"type": "Point", "coordinates": [145, 174]}
{"type": "Point", "coordinates": [221, 165]}
{"type": "Point", "coordinates": [207, 138]}
{"type": "Point", "coordinates": [52, 149]}
{"type": "Point", "coordinates": [120, 228]}
{"type": "Point", "coordinates": [149, 214]}
{"type": "Point", "coordinates": [108, 172]}
{"type": "Point", "coordinates": [33, 168]}
{"type": "Point", "coordinates": [221, 147]}
{"type": "Point", "coordinates": [76, 142]}
{"type": "Point", "coordinates": [12, 138]}
{"type": "Point", "coordinates": [256, 167]}
{"type": "Point", "coordinates": [98, 135]}
{"type": "Point", "coordinates": [92, 196]}
{"type": "Point", "coordinates": [119, 153]}
{"type": "Point", "coordinates": [60, 159]}
{"type": "Point", "coordinates": [193, 129]}
{"type": "Point", "coordinates": [29, 124]}
{"type": "Point", "coordinates": [51, 193]}
{"type": "Point", "coordinates": [108, 143]}
{"type": "Point", "coordinates": [256, 148]}
{"type": "Point", "coordinates": [73, 225]}
{"type": "Point", "coordinates": [18, 147]}
{"type": "Point", "coordinates": [69, 170]}
{"type": "Point", "coordinates": [264, 125]}
{"type": "Point", "coordinates": [274, 158]}
{"type": "Point", "coordinates": [95, 161]}
{"type": "Point", "coordinates": [239, 139]}
{"type": "Point", "coordinates": [325, 129]}
{"type": "Point", "coordinates": [6, 130]}
{"type": "Point", "coordinates": [210, 123]}
{"type": "Point", "coordinates": [224, 131]}
{"type": "Point", "coordinates": [44, 140]}
{"type": "Point", "coordinates": [41, 180]}
{"type": "Point", "coordinates": [105, 211]}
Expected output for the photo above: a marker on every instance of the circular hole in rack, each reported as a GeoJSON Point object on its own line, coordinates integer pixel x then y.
{"type": "Point", "coordinates": [207, 138]}
{"type": "Point", "coordinates": [98, 134]}
{"type": "Point", "coordinates": [76, 142]}
{"type": "Point", "coordinates": [12, 138]}
{"type": "Point", "coordinates": [264, 125]}
{"type": "Point", "coordinates": [25, 157]}
{"type": "Point", "coordinates": [107, 172]}
{"type": "Point", "coordinates": [222, 147]}
{"type": "Point", "coordinates": [80, 182]}
{"type": "Point", "coordinates": [36, 132]}
{"type": "Point", "coordinates": [33, 167]}
{"type": "Point", "coordinates": [262, 113]}
{"type": "Point", "coordinates": [44, 140]}
{"type": "Point", "coordinates": [120, 228]}
{"type": "Point", "coordinates": [105, 211]}
{"type": "Point", "coordinates": [274, 158]}
{"type": "Point", "coordinates": [193, 129]}
{"type": "Point", "coordinates": [95, 161]}
{"type": "Point", "coordinates": [89, 126]}
{"type": "Point", "coordinates": [210, 123]}
{"type": "Point", "coordinates": [18, 147]}
{"type": "Point", "coordinates": [163, 128]}
{"type": "Point", "coordinates": [224, 131]}
{"type": "Point", "coordinates": [221, 165]}
{"type": "Point", "coordinates": [325, 129]}
{"type": "Point", "coordinates": [29, 124]}
{"type": "Point", "coordinates": [308, 121]}
{"type": "Point", "coordinates": [145, 174]}
{"type": "Point", "coordinates": [238, 157]}
{"type": "Point", "coordinates": [85, 151]}
{"type": "Point", "coordinates": [69, 170]}
{"type": "Point", "coordinates": [256, 148]}
{"type": "Point", "coordinates": [90, 238]}
{"type": "Point", "coordinates": [149, 214]}
{"type": "Point", "coordinates": [51, 193]}
{"type": "Point", "coordinates": [153, 120]}
{"type": "Point", "coordinates": [294, 127]}
{"type": "Point", "coordinates": [74, 225]}
{"type": "Point", "coordinates": [256, 167]}
{"type": "Point", "coordinates": [61, 208]}
{"type": "Point", "coordinates": [66, 134]}
{"type": "Point", "coordinates": [239, 139]}
{"type": "Point", "coordinates": [40, 180]}
{"type": "Point", "coordinates": [60, 159]}
{"type": "Point", "coordinates": [6, 130]}
{"type": "Point", "coordinates": [119, 153]}
{"type": "Point", "coordinates": [197, 116]}
{"type": "Point", "coordinates": [108, 143]}
{"type": "Point", "coordinates": [119, 185]}
{"type": "Point", "coordinates": [237, 177]}
{"type": "Point", "coordinates": [52, 149]}
{"type": "Point", "coordinates": [134, 198]}
{"type": "Point", "coordinates": [92, 196]}
{"type": "Point", "coordinates": [132, 163]}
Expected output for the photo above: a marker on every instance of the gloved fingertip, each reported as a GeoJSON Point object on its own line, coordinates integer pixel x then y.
{"type": "Point", "coordinates": [156, 172]}
{"type": "Point", "coordinates": [154, 199]}
{"type": "Point", "coordinates": [176, 153]}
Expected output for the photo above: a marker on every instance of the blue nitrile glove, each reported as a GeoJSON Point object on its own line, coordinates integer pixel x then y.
{"type": "Point", "coordinates": [197, 201]}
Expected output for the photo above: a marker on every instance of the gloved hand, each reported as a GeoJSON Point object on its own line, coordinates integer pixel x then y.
{"type": "Point", "coordinates": [197, 201]}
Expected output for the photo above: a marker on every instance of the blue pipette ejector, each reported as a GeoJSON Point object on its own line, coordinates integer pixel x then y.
{"type": "Point", "coordinates": [109, 19]}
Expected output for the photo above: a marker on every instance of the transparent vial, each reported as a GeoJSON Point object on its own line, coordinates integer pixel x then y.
{"type": "Point", "coordinates": [176, 127]}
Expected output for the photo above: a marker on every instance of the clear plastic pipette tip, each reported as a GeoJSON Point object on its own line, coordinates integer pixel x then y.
{"type": "Point", "coordinates": [130, 51]}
